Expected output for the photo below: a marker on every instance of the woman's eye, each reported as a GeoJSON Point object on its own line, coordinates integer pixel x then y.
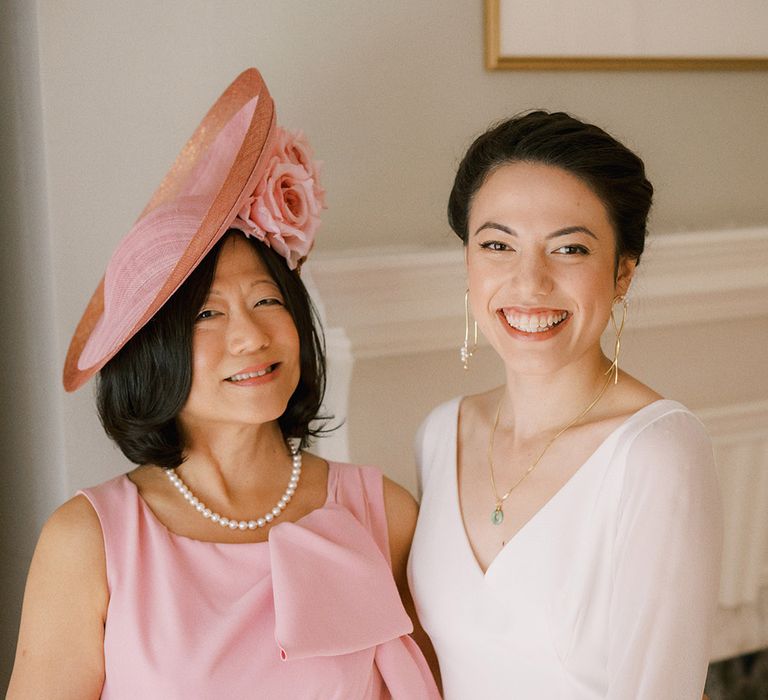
{"type": "Point", "coordinates": [572, 250]}
{"type": "Point", "coordinates": [205, 313]}
{"type": "Point", "coordinates": [494, 245]}
{"type": "Point", "coordinates": [271, 301]}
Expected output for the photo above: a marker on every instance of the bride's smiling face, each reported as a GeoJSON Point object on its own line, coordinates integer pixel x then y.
{"type": "Point", "coordinates": [541, 265]}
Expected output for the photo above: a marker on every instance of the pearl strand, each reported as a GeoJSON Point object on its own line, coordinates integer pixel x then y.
{"type": "Point", "coordinates": [232, 523]}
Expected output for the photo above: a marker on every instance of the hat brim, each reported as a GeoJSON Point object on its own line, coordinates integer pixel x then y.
{"type": "Point", "coordinates": [245, 172]}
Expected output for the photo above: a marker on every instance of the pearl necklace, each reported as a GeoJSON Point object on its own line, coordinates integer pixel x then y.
{"type": "Point", "coordinates": [232, 523]}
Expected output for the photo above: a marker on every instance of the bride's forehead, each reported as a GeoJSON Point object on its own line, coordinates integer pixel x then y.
{"type": "Point", "coordinates": [525, 178]}
{"type": "Point", "coordinates": [539, 191]}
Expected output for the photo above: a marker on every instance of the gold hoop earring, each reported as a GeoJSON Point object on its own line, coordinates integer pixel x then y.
{"type": "Point", "coordinates": [466, 351]}
{"type": "Point", "coordinates": [618, 328]}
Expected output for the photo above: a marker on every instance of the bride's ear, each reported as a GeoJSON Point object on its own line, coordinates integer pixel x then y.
{"type": "Point", "coordinates": [625, 271]}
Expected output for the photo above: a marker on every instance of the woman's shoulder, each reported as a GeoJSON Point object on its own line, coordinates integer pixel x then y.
{"type": "Point", "coordinates": [358, 487]}
{"type": "Point", "coordinates": [117, 485]}
{"type": "Point", "coordinates": [112, 496]}
{"type": "Point", "coordinates": [351, 474]}
{"type": "Point", "coordinates": [76, 528]}
{"type": "Point", "coordinates": [639, 415]}
{"type": "Point", "coordinates": [441, 424]}
{"type": "Point", "coordinates": [384, 507]}
{"type": "Point", "coordinates": [443, 415]}
{"type": "Point", "coordinates": [65, 604]}
{"type": "Point", "coordinates": [663, 423]}
{"type": "Point", "coordinates": [667, 448]}
{"type": "Point", "coordinates": [71, 541]}
{"type": "Point", "coordinates": [73, 522]}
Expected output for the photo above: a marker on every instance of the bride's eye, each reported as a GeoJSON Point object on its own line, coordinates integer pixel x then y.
{"type": "Point", "coordinates": [572, 250]}
{"type": "Point", "coordinates": [497, 246]}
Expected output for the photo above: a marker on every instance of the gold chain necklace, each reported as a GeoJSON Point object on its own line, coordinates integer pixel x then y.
{"type": "Point", "coordinates": [497, 516]}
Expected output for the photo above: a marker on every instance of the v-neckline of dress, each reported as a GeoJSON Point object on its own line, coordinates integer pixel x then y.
{"type": "Point", "coordinates": [541, 512]}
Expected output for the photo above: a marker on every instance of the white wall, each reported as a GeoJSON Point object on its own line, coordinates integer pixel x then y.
{"type": "Point", "coordinates": [99, 96]}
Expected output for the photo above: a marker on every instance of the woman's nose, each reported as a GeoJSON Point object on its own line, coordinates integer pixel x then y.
{"type": "Point", "coordinates": [245, 334]}
{"type": "Point", "coordinates": [532, 276]}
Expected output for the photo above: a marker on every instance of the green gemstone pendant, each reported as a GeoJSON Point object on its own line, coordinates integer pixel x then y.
{"type": "Point", "coordinates": [497, 517]}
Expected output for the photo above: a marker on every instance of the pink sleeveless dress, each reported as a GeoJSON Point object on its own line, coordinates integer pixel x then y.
{"type": "Point", "coordinates": [312, 613]}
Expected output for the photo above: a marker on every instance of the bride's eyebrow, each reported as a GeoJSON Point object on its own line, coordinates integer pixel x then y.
{"type": "Point", "coordinates": [555, 234]}
{"type": "Point", "coordinates": [571, 229]}
{"type": "Point", "coordinates": [498, 227]}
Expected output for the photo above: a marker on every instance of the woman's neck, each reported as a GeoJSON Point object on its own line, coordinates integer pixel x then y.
{"type": "Point", "coordinates": [532, 404]}
{"type": "Point", "coordinates": [237, 461]}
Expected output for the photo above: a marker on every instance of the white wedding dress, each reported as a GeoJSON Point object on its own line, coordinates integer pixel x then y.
{"type": "Point", "coordinates": [609, 591]}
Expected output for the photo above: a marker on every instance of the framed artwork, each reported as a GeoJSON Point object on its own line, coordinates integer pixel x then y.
{"type": "Point", "coordinates": [626, 35]}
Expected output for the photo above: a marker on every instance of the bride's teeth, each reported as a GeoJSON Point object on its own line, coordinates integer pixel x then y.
{"type": "Point", "coordinates": [535, 323]}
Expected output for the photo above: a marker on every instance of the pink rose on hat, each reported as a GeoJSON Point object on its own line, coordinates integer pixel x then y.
{"type": "Point", "coordinates": [284, 210]}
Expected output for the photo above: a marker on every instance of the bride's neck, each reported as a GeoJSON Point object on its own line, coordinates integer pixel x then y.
{"type": "Point", "coordinates": [532, 404]}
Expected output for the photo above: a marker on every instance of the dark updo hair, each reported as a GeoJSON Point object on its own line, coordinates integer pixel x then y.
{"type": "Point", "coordinates": [142, 389]}
{"type": "Point", "coordinates": [610, 169]}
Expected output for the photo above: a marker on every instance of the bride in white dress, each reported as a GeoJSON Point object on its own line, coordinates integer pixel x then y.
{"type": "Point", "coordinates": [569, 539]}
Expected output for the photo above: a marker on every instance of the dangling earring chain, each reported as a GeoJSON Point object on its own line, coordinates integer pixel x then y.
{"type": "Point", "coordinates": [465, 351]}
{"type": "Point", "coordinates": [618, 328]}
{"type": "Point", "coordinates": [232, 523]}
{"type": "Point", "coordinates": [497, 515]}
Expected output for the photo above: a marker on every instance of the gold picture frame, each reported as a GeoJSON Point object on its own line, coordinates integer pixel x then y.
{"type": "Point", "coordinates": [495, 60]}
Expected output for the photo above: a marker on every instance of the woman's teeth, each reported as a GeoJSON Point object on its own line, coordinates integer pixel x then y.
{"type": "Point", "coordinates": [250, 375]}
{"type": "Point", "coordinates": [535, 323]}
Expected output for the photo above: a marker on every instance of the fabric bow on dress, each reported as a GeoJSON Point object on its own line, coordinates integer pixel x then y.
{"type": "Point", "coordinates": [334, 594]}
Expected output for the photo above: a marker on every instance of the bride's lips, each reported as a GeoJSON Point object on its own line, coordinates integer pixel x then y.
{"type": "Point", "coordinates": [254, 375]}
{"type": "Point", "coordinates": [533, 324]}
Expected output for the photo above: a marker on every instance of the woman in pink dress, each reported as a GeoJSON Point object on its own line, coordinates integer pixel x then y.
{"type": "Point", "coordinates": [229, 563]}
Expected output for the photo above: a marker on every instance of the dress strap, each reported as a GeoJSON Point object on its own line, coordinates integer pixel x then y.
{"type": "Point", "coordinates": [117, 507]}
{"type": "Point", "coordinates": [435, 444]}
{"type": "Point", "coordinates": [360, 489]}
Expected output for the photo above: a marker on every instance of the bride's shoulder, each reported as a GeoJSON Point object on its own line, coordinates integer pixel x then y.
{"type": "Point", "coordinates": [480, 405]}
{"type": "Point", "coordinates": [632, 395]}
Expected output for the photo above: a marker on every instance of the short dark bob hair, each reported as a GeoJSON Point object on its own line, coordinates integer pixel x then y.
{"type": "Point", "coordinates": [142, 389]}
{"type": "Point", "coordinates": [613, 172]}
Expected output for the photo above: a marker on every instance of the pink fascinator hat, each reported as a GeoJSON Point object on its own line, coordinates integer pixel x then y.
{"type": "Point", "coordinates": [239, 170]}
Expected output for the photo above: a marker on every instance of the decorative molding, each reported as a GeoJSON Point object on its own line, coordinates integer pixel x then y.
{"type": "Point", "coordinates": [736, 423]}
{"type": "Point", "coordinates": [740, 437]}
{"type": "Point", "coordinates": [740, 441]}
{"type": "Point", "coordinates": [699, 277]}
{"type": "Point", "coordinates": [396, 301]}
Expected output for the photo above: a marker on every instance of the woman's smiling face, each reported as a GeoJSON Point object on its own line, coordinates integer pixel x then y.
{"type": "Point", "coordinates": [245, 347]}
{"type": "Point", "coordinates": [541, 264]}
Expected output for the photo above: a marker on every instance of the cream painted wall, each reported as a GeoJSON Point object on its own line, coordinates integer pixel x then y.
{"type": "Point", "coordinates": [390, 93]}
